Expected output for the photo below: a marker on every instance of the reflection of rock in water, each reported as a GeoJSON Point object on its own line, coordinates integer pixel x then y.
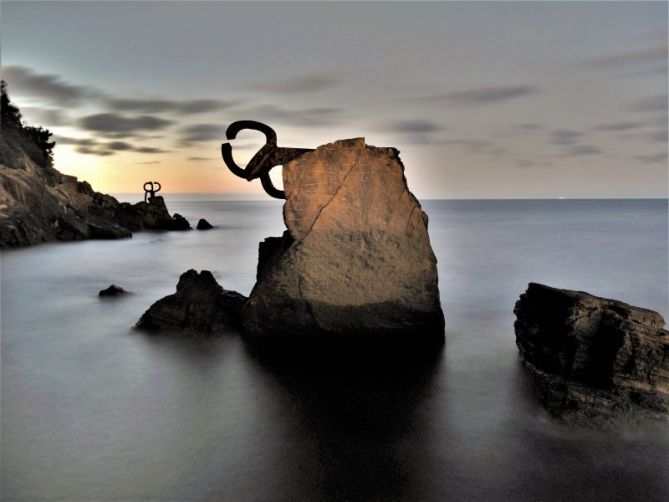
{"type": "Point", "coordinates": [356, 259]}
{"type": "Point", "coordinates": [593, 357]}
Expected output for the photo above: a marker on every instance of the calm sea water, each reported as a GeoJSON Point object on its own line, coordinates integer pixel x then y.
{"type": "Point", "coordinates": [92, 411]}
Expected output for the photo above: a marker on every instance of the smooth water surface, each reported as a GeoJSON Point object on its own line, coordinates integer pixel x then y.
{"type": "Point", "coordinates": [94, 411]}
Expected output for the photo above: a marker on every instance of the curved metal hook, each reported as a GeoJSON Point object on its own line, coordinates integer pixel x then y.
{"type": "Point", "coordinates": [262, 162]}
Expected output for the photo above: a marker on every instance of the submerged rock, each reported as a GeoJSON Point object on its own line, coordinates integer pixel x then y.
{"type": "Point", "coordinates": [112, 290]}
{"type": "Point", "coordinates": [199, 306]}
{"type": "Point", "coordinates": [356, 260]}
{"type": "Point", "coordinates": [593, 355]}
{"type": "Point", "coordinates": [204, 225]}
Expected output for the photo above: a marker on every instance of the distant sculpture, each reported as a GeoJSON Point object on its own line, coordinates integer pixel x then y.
{"type": "Point", "coordinates": [150, 193]}
{"type": "Point", "coordinates": [268, 157]}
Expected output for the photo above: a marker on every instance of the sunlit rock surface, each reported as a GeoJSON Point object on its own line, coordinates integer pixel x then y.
{"type": "Point", "coordinates": [356, 259]}
{"type": "Point", "coordinates": [593, 355]}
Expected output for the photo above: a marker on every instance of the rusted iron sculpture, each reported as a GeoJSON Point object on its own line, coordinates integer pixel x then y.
{"type": "Point", "coordinates": [151, 192]}
{"type": "Point", "coordinates": [268, 157]}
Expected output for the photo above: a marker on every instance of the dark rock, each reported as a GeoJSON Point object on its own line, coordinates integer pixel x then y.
{"type": "Point", "coordinates": [178, 222]}
{"type": "Point", "coordinates": [199, 306]}
{"type": "Point", "coordinates": [593, 355]}
{"type": "Point", "coordinates": [112, 290]}
{"type": "Point", "coordinates": [356, 261]}
{"type": "Point", "coordinates": [204, 225]}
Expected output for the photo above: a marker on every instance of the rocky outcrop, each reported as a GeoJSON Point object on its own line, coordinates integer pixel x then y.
{"type": "Point", "coordinates": [40, 205]}
{"type": "Point", "coordinates": [200, 306]}
{"type": "Point", "coordinates": [112, 291]}
{"type": "Point", "coordinates": [356, 259]}
{"type": "Point", "coordinates": [593, 355]}
{"type": "Point", "coordinates": [204, 225]}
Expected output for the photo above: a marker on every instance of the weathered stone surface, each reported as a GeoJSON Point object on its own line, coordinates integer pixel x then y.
{"type": "Point", "coordinates": [356, 260]}
{"type": "Point", "coordinates": [112, 290]}
{"type": "Point", "coordinates": [204, 225]}
{"type": "Point", "coordinates": [199, 306]}
{"type": "Point", "coordinates": [593, 355]}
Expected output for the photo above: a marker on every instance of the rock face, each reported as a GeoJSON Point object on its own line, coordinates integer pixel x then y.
{"type": "Point", "coordinates": [41, 204]}
{"type": "Point", "coordinates": [356, 259]}
{"type": "Point", "coordinates": [592, 354]}
{"type": "Point", "coordinates": [200, 306]}
{"type": "Point", "coordinates": [204, 225]}
{"type": "Point", "coordinates": [112, 290]}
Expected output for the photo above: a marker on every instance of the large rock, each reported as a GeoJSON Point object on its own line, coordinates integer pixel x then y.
{"type": "Point", "coordinates": [200, 306]}
{"type": "Point", "coordinates": [356, 259]}
{"type": "Point", "coordinates": [591, 354]}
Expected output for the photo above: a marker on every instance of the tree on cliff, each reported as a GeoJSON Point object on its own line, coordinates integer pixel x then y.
{"type": "Point", "coordinates": [18, 138]}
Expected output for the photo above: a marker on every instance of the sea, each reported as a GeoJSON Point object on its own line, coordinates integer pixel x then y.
{"type": "Point", "coordinates": [92, 410]}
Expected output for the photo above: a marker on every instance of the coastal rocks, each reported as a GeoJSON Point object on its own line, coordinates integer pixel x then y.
{"type": "Point", "coordinates": [38, 208]}
{"type": "Point", "coordinates": [356, 260]}
{"type": "Point", "coordinates": [112, 291]}
{"type": "Point", "coordinates": [593, 355]}
{"type": "Point", "coordinates": [204, 225]}
{"type": "Point", "coordinates": [199, 306]}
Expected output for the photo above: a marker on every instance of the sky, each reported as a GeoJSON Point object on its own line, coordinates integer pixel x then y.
{"type": "Point", "coordinates": [483, 99]}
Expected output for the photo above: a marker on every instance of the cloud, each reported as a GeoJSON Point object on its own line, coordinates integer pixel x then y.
{"type": "Point", "coordinates": [311, 82]}
{"type": "Point", "coordinates": [473, 145]}
{"type": "Point", "coordinates": [304, 117]}
{"type": "Point", "coordinates": [26, 82]}
{"type": "Point", "coordinates": [657, 103]}
{"type": "Point", "coordinates": [149, 149]}
{"type": "Point", "coordinates": [201, 132]}
{"type": "Point", "coordinates": [580, 150]}
{"type": "Point", "coordinates": [113, 124]}
{"type": "Point", "coordinates": [46, 117]}
{"type": "Point", "coordinates": [528, 163]}
{"type": "Point", "coordinates": [148, 162]}
{"type": "Point", "coordinates": [658, 136]}
{"type": "Point", "coordinates": [66, 140]}
{"type": "Point", "coordinates": [529, 126]}
{"type": "Point", "coordinates": [418, 126]}
{"type": "Point", "coordinates": [188, 107]}
{"type": "Point", "coordinates": [485, 95]}
{"type": "Point", "coordinates": [658, 158]}
{"type": "Point", "coordinates": [566, 137]}
{"type": "Point", "coordinates": [619, 126]}
{"type": "Point", "coordinates": [118, 146]}
{"type": "Point", "coordinates": [647, 55]}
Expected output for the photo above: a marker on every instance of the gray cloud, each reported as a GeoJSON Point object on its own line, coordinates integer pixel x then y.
{"type": "Point", "coordinates": [118, 146]}
{"type": "Point", "coordinates": [66, 140]}
{"type": "Point", "coordinates": [620, 126]}
{"type": "Point", "coordinates": [528, 163]}
{"type": "Point", "coordinates": [144, 162]}
{"type": "Point", "coordinates": [473, 145]}
{"type": "Point", "coordinates": [418, 126]}
{"type": "Point", "coordinates": [305, 117]}
{"type": "Point", "coordinates": [46, 117]}
{"type": "Point", "coordinates": [658, 136]}
{"type": "Point", "coordinates": [190, 107]}
{"type": "Point", "coordinates": [485, 95]}
{"type": "Point", "coordinates": [579, 150]}
{"type": "Point", "coordinates": [657, 103]}
{"type": "Point", "coordinates": [658, 158]}
{"type": "Point", "coordinates": [201, 132]}
{"type": "Point", "coordinates": [149, 149]}
{"type": "Point", "coordinates": [311, 82]}
{"type": "Point", "coordinates": [646, 55]}
{"type": "Point", "coordinates": [120, 126]}
{"type": "Point", "coordinates": [26, 82]}
{"type": "Point", "coordinates": [566, 136]}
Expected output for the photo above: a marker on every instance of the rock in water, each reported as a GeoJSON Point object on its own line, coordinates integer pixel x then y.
{"type": "Point", "coordinates": [204, 225]}
{"type": "Point", "coordinates": [592, 354]}
{"type": "Point", "coordinates": [200, 306]}
{"type": "Point", "coordinates": [356, 260]}
{"type": "Point", "coordinates": [112, 290]}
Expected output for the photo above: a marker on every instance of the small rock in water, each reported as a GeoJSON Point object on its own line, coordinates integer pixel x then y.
{"type": "Point", "coordinates": [204, 225]}
{"type": "Point", "coordinates": [592, 356]}
{"type": "Point", "coordinates": [199, 306]}
{"type": "Point", "coordinates": [113, 290]}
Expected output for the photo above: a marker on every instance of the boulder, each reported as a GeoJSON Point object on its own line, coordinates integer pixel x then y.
{"type": "Point", "coordinates": [112, 291]}
{"type": "Point", "coordinates": [204, 225]}
{"type": "Point", "coordinates": [355, 261]}
{"type": "Point", "coordinates": [199, 306]}
{"type": "Point", "coordinates": [593, 355]}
